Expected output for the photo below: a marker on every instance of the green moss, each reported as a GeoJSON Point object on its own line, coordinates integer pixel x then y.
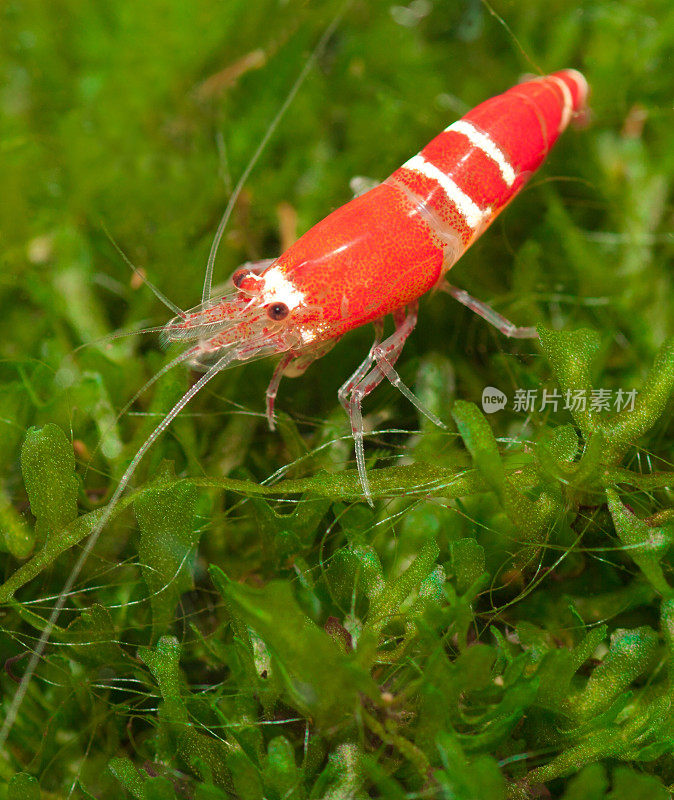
{"type": "Point", "coordinates": [503, 617]}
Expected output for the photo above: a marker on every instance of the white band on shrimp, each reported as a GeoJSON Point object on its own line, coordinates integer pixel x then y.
{"type": "Point", "coordinates": [488, 146]}
{"type": "Point", "coordinates": [278, 289]}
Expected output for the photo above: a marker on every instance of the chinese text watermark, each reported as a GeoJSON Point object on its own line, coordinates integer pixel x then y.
{"type": "Point", "coordinates": [531, 400]}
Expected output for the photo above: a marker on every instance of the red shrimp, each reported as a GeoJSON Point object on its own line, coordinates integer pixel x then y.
{"type": "Point", "coordinates": [379, 253]}
{"type": "Point", "coordinates": [374, 256]}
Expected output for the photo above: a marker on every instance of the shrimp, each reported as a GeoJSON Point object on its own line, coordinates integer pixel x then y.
{"type": "Point", "coordinates": [374, 256]}
{"type": "Point", "coordinates": [379, 253]}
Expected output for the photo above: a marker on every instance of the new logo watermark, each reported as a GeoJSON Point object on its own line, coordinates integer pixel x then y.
{"type": "Point", "coordinates": [493, 399]}
{"type": "Point", "coordinates": [530, 400]}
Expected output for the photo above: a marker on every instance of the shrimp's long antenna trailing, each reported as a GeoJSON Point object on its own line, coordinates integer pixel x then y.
{"type": "Point", "coordinates": [230, 356]}
{"type": "Point", "coordinates": [510, 32]}
{"type": "Point", "coordinates": [139, 273]}
{"type": "Point", "coordinates": [113, 337]}
{"type": "Point", "coordinates": [17, 700]}
{"type": "Point", "coordinates": [173, 363]}
{"type": "Point", "coordinates": [208, 278]}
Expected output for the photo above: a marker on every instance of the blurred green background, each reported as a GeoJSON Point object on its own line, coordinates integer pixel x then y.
{"type": "Point", "coordinates": [502, 619]}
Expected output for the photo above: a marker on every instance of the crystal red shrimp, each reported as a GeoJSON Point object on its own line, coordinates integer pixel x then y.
{"type": "Point", "coordinates": [374, 256]}
{"type": "Point", "coordinates": [379, 253]}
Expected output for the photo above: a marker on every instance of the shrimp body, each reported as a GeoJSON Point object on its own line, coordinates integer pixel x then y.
{"type": "Point", "coordinates": [379, 253]}
{"type": "Point", "coordinates": [386, 248]}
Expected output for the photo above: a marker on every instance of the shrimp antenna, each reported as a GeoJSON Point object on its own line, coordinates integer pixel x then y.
{"type": "Point", "coordinates": [114, 336]}
{"type": "Point", "coordinates": [223, 362]}
{"type": "Point", "coordinates": [208, 278]}
{"type": "Point", "coordinates": [17, 700]}
{"type": "Point", "coordinates": [141, 275]}
{"type": "Point", "coordinates": [511, 33]}
{"type": "Point", "coordinates": [174, 362]}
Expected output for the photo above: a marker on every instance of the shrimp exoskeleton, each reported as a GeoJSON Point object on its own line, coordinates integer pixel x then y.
{"type": "Point", "coordinates": [379, 253]}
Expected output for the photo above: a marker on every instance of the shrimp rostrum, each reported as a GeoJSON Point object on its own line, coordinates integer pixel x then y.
{"type": "Point", "coordinates": [379, 253]}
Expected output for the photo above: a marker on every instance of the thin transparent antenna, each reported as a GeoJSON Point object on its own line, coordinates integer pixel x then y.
{"type": "Point", "coordinates": [208, 278]}
{"type": "Point", "coordinates": [114, 336]}
{"type": "Point", "coordinates": [173, 363]}
{"type": "Point", "coordinates": [510, 33]}
{"type": "Point", "coordinates": [157, 292]}
{"type": "Point", "coordinates": [15, 705]}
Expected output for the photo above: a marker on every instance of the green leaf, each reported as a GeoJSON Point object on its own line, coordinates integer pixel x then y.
{"type": "Point", "coordinates": [436, 388]}
{"type": "Point", "coordinates": [245, 776]}
{"type": "Point", "coordinates": [630, 653]}
{"type": "Point", "coordinates": [95, 639]}
{"type": "Point", "coordinates": [386, 604]}
{"type": "Point", "coordinates": [667, 627]}
{"type": "Point", "coordinates": [203, 753]}
{"type": "Point", "coordinates": [571, 354]}
{"type": "Point", "coordinates": [558, 666]}
{"type": "Point", "coordinates": [128, 775]}
{"type": "Point", "coordinates": [591, 783]}
{"type": "Point", "coordinates": [465, 780]}
{"type": "Point", "coordinates": [530, 517]}
{"type": "Point", "coordinates": [91, 395]}
{"type": "Point", "coordinates": [630, 425]}
{"type": "Point", "coordinates": [15, 536]}
{"type": "Point", "coordinates": [23, 787]}
{"type": "Point", "coordinates": [468, 563]}
{"type": "Point", "coordinates": [48, 467]}
{"type": "Point", "coordinates": [342, 777]}
{"type": "Point", "coordinates": [141, 785]}
{"type": "Point", "coordinates": [481, 444]}
{"type": "Point", "coordinates": [320, 680]}
{"type": "Point", "coordinates": [644, 544]}
{"type": "Point", "coordinates": [353, 571]}
{"type": "Point", "coordinates": [631, 785]}
{"type": "Point", "coordinates": [556, 450]}
{"type": "Point", "coordinates": [164, 664]}
{"type": "Point", "coordinates": [166, 517]}
{"type": "Point", "coordinates": [281, 774]}
{"type": "Point", "coordinates": [394, 480]}
{"type": "Point", "coordinates": [206, 791]}
{"type": "Point", "coordinates": [285, 536]}
{"type": "Point", "coordinates": [591, 466]}
{"type": "Point", "coordinates": [159, 788]}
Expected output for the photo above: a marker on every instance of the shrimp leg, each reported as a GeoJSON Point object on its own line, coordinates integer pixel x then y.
{"type": "Point", "coordinates": [505, 326]}
{"type": "Point", "coordinates": [384, 356]}
{"type": "Point", "coordinates": [272, 389]}
{"type": "Point", "coordinates": [404, 326]}
{"type": "Point", "coordinates": [293, 365]}
{"type": "Point", "coordinates": [347, 387]}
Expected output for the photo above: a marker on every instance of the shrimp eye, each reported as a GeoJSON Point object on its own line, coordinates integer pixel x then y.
{"type": "Point", "coordinates": [239, 276]}
{"type": "Point", "coordinates": [278, 311]}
